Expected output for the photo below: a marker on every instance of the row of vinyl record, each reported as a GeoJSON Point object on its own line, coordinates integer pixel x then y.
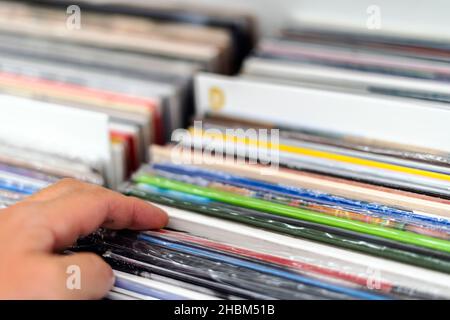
{"type": "Point", "coordinates": [135, 66]}
{"type": "Point", "coordinates": [348, 198]}
{"type": "Point", "coordinates": [320, 172]}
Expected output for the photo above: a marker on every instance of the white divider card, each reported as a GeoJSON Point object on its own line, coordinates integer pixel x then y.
{"type": "Point", "coordinates": [55, 129]}
{"type": "Point", "coordinates": [403, 121]}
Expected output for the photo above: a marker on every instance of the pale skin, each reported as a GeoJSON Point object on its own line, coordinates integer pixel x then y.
{"type": "Point", "coordinates": [34, 231]}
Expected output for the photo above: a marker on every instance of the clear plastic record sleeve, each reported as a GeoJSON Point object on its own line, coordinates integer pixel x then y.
{"type": "Point", "coordinates": [382, 151]}
{"type": "Point", "coordinates": [370, 212]}
{"type": "Point", "coordinates": [356, 81]}
{"type": "Point", "coordinates": [48, 164]}
{"type": "Point", "coordinates": [297, 249]}
{"type": "Point", "coordinates": [232, 237]}
{"type": "Point", "coordinates": [233, 271]}
{"type": "Point", "coordinates": [302, 229]}
{"type": "Point", "coordinates": [140, 286]}
{"type": "Point", "coordinates": [375, 172]}
{"type": "Point", "coordinates": [310, 270]}
{"type": "Point", "coordinates": [417, 204]}
{"type": "Point", "coordinates": [122, 294]}
{"type": "Point", "coordinates": [311, 215]}
{"type": "Point", "coordinates": [126, 32]}
{"type": "Point", "coordinates": [435, 50]}
{"type": "Point", "coordinates": [241, 26]}
{"type": "Point", "coordinates": [183, 280]}
{"type": "Point", "coordinates": [348, 58]}
{"type": "Point", "coordinates": [100, 79]}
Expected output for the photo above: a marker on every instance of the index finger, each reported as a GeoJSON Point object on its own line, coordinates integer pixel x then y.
{"type": "Point", "coordinates": [81, 212]}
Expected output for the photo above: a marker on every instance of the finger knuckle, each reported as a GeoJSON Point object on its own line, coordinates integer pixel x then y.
{"type": "Point", "coordinates": [69, 183]}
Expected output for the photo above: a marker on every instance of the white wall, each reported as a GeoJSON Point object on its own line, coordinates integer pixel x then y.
{"type": "Point", "coordinates": [419, 18]}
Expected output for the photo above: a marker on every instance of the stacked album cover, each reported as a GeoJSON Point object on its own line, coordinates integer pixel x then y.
{"type": "Point", "coordinates": [320, 171]}
{"type": "Point", "coordinates": [133, 66]}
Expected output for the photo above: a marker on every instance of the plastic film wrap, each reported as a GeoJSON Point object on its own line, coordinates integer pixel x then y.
{"type": "Point", "coordinates": [245, 274]}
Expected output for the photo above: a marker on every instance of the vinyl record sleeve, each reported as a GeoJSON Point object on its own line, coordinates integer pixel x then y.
{"type": "Point", "coordinates": [147, 270]}
{"type": "Point", "coordinates": [60, 123]}
{"type": "Point", "coordinates": [381, 152]}
{"type": "Point", "coordinates": [352, 59]}
{"type": "Point", "coordinates": [227, 269]}
{"type": "Point", "coordinates": [240, 25]}
{"type": "Point", "coordinates": [296, 196]}
{"type": "Point", "coordinates": [130, 134]}
{"type": "Point", "coordinates": [125, 33]}
{"type": "Point", "coordinates": [49, 164]}
{"type": "Point", "coordinates": [367, 146]}
{"type": "Point", "coordinates": [427, 49]}
{"type": "Point", "coordinates": [384, 288]}
{"type": "Point", "coordinates": [397, 176]}
{"type": "Point", "coordinates": [122, 294]}
{"type": "Point", "coordinates": [311, 231]}
{"type": "Point", "coordinates": [119, 162]}
{"type": "Point", "coordinates": [139, 111]}
{"type": "Point", "coordinates": [300, 250]}
{"type": "Point", "coordinates": [331, 77]}
{"type": "Point", "coordinates": [155, 289]}
{"type": "Point", "coordinates": [296, 213]}
{"type": "Point", "coordinates": [154, 68]}
{"type": "Point", "coordinates": [84, 95]}
{"type": "Point", "coordinates": [253, 100]}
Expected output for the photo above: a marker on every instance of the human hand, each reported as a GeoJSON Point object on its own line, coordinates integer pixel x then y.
{"type": "Point", "coordinates": [34, 230]}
